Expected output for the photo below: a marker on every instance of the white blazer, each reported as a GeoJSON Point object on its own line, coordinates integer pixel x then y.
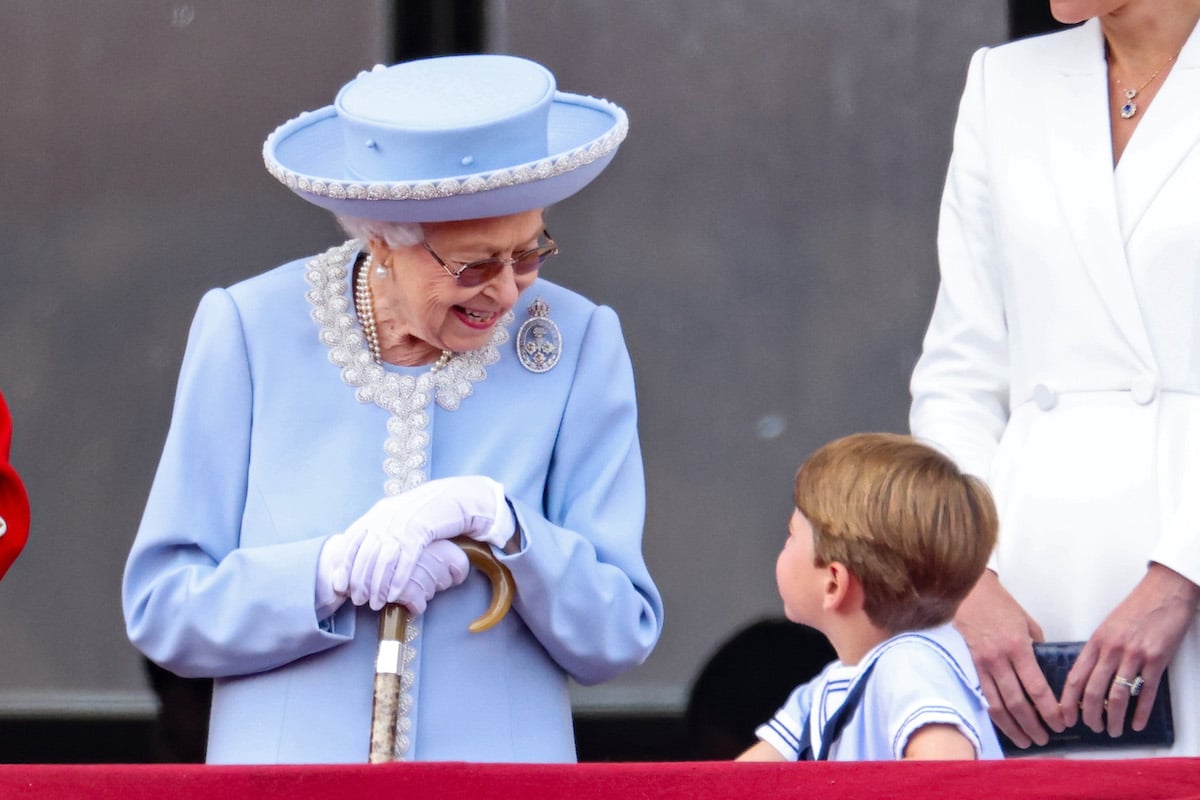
{"type": "Point", "coordinates": [1062, 361]}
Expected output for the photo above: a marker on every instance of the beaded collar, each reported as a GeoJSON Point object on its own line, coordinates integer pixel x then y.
{"type": "Point", "coordinates": [405, 397]}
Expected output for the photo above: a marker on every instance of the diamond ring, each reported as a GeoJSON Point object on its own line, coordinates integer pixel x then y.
{"type": "Point", "coordinates": [1134, 686]}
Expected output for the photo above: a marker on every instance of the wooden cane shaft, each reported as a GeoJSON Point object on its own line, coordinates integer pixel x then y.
{"type": "Point", "coordinates": [385, 709]}
{"type": "Point", "coordinates": [384, 715]}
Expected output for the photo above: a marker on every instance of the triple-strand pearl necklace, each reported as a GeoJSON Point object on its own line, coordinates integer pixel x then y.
{"type": "Point", "coordinates": [364, 303]}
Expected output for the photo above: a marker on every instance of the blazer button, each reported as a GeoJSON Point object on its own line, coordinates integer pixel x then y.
{"type": "Point", "coordinates": [1144, 390]}
{"type": "Point", "coordinates": [1043, 397]}
{"type": "Point", "coordinates": [3, 526]}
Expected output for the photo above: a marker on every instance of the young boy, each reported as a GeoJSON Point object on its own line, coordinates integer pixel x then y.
{"type": "Point", "coordinates": [887, 538]}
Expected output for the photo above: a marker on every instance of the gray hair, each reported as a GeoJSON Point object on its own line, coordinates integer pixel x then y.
{"type": "Point", "coordinates": [394, 234]}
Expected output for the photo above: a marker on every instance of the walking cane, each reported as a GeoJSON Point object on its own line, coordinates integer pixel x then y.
{"type": "Point", "coordinates": [393, 622]}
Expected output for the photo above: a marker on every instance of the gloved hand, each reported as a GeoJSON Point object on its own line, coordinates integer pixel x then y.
{"type": "Point", "coordinates": [372, 560]}
{"type": "Point", "coordinates": [441, 565]}
{"type": "Point", "coordinates": [330, 563]}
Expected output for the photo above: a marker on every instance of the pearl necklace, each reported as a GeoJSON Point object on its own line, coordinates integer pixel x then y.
{"type": "Point", "coordinates": [364, 304]}
{"type": "Point", "coordinates": [340, 330]}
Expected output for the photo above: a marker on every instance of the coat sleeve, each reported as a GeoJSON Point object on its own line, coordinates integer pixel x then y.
{"type": "Point", "coordinates": [194, 600]}
{"type": "Point", "coordinates": [584, 589]}
{"type": "Point", "coordinates": [960, 385]}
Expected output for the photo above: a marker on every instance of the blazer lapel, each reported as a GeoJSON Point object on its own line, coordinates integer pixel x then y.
{"type": "Point", "coordinates": [1164, 137]}
{"type": "Point", "coordinates": [1080, 148]}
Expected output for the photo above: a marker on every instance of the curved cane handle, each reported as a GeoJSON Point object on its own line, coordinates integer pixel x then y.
{"type": "Point", "coordinates": [503, 586]}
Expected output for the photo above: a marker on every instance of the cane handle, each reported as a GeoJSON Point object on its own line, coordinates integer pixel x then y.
{"type": "Point", "coordinates": [483, 559]}
{"type": "Point", "coordinates": [393, 624]}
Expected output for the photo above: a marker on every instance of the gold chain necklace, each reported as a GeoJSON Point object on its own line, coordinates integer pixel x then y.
{"type": "Point", "coordinates": [1129, 107]}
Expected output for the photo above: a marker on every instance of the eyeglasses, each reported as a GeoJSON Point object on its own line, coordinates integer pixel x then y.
{"type": "Point", "coordinates": [476, 273]}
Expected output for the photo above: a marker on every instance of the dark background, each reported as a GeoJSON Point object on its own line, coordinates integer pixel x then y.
{"type": "Point", "coordinates": [766, 234]}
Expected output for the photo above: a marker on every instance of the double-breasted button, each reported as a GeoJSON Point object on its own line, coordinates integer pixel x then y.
{"type": "Point", "coordinates": [1043, 397]}
{"type": "Point", "coordinates": [1144, 390]}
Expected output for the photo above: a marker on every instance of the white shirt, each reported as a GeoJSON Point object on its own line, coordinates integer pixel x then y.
{"type": "Point", "coordinates": [919, 678]}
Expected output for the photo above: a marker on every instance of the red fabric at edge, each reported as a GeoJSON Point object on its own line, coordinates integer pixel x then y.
{"type": "Point", "coordinates": [1145, 779]}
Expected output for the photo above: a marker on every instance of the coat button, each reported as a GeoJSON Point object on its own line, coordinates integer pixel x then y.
{"type": "Point", "coordinates": [3, 526]}
{"type": "Point", "coordinates": [1043, 397]}
{"type": "Point", "coordinates": [1144, 390]}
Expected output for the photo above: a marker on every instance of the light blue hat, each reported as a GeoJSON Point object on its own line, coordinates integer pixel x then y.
{"type": "Point", "coordinates": [449, 138]}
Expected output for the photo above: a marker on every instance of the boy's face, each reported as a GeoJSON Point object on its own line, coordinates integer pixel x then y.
{"type": "Point", "coordinates": [798, 577]}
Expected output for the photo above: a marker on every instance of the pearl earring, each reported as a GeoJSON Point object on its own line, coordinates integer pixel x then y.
{"type": "Point", "coordinates": [381, 269]}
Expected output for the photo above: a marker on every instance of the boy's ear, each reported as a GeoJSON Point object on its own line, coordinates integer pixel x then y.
{"type": "Point", "coordinates": [843, 592]}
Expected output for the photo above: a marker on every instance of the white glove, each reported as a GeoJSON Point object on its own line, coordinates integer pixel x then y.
{"type": "Point", "coordinates": [441, 565]}
{"type": "Point", "coordinates": [372, 560]}
{"type": "Point", "coordinates": [335, 554]}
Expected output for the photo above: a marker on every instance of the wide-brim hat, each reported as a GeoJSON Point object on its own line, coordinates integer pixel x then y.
{"type": "Point", "coordinates": [448, 138]}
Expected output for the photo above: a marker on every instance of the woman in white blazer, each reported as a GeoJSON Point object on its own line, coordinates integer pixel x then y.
{"type": "Point", "coordinates": [1062, 362]}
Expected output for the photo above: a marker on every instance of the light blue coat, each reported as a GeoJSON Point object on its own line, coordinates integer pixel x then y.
{"type": "Point", "coordinates": [269, 452]}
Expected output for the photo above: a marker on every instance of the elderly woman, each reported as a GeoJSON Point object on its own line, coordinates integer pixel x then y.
{"type": "Point", "coordinates": [340, 418]}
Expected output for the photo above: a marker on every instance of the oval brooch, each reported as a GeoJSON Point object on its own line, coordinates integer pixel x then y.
{"type": "Point", "coordinates": [539, 342]}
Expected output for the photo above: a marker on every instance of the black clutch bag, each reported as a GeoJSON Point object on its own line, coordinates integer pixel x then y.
{"type": "Point", "coordinates": [1055, 659]}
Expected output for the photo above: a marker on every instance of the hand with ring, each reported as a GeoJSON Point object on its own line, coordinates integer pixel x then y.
{"type": "Point", "coordinates": [1139, 637]}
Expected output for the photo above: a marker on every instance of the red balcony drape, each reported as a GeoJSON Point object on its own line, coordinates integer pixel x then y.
{"type": "Point", "coordinates": [1144, 779]}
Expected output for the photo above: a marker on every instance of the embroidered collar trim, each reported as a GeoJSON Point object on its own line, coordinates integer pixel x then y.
{"type": "Point", "coordinates": [405, 397]}
{"type": "Point", "coordinates": [342, 334]}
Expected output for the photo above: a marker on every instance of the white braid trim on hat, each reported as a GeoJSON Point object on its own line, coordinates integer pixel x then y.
{"type": "Point", "coordinates": [550, 167]}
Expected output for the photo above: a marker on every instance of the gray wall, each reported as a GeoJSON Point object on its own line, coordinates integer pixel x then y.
{"type": "Point", "coordinates": [766, 234]}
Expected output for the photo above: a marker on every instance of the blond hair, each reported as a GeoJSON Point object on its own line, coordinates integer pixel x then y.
{"type": "Point", "coordinates": [906, 522]}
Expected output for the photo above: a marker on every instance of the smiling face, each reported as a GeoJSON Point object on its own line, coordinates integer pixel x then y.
{"type": "Point", "coordinates": [421, 310]}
